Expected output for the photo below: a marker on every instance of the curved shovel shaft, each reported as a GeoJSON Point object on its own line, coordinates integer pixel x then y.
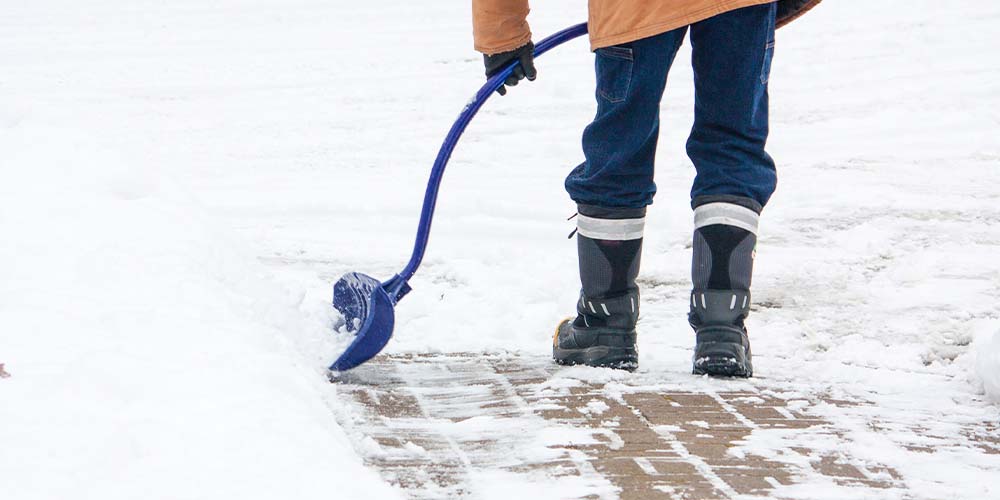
{"type": "Point", "coordinates": [487, 90]}
{"type": "Point", "coordinates": [366, 304]}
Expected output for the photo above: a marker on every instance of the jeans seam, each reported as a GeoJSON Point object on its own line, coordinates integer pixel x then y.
{"type": "Point", "coordinates": [765, 68]}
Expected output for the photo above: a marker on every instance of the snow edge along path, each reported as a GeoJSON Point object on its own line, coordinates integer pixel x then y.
{"type": "Point", "coordinates": [149, 354]}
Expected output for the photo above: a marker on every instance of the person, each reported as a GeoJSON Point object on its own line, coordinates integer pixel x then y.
{"type": "Point", "coordinates": [635, 42]}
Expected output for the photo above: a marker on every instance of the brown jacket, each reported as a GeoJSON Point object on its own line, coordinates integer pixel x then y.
{"type": "Point", "coordinates": [501, 25]}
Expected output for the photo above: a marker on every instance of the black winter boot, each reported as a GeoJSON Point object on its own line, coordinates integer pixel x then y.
{"type": "Point", "coordinates": [725, 239]}
{"type": "Point", "coordinates": [609, 244]}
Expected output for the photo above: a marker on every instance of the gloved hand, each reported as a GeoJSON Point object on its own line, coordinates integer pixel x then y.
{"type": "Point", "coordinates": [526, 69]}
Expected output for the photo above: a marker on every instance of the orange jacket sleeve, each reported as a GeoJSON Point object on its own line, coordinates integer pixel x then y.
{"type": "Point", "coordinates": [500, 25]}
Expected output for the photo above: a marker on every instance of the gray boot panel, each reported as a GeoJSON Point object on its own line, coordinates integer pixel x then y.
{"type": "Point", "coordinates": [595, 267]}
{"type": "Point", "coordinates": [701, 265]}
{"type": "Point", "coordinates": [741, 263]}
{"type": "Point", "coordinates": [719, 307]}
{"type": "Point", "coordinates": [620, 313]}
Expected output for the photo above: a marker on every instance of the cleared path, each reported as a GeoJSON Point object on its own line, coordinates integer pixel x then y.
{"type": "Point", "coordinates": [464, 425]}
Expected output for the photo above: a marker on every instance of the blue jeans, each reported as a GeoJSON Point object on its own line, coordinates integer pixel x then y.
{"type": "Point", "coordinates": [731, 56]}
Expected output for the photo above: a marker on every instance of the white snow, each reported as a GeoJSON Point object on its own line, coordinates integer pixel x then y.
{"type": "Point", "coordinates": [181, 182]}
{"type": "Point", "coordinates": [145, 346]}
{"type": "Point", "coordinates": [594, 407]}
{"type": "Point", "coordinates": [988, 365]}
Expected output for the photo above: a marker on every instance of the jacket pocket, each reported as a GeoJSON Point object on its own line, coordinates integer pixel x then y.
{"type": "Point", "coordinates": [614, 73]}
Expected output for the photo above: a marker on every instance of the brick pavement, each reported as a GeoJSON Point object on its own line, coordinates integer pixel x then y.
{"type": "Point", "coordinates": [431, 423]}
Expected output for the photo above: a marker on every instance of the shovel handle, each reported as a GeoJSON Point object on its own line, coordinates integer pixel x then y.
{"type": "Point", "coordinates": [396, 286]}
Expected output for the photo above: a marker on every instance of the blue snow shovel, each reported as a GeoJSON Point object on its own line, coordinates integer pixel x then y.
{"type": "Point", "coordinates": [366, 303]}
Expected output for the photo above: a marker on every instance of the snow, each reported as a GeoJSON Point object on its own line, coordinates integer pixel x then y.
{"type": "Point", "coordinates": [145, 346]}
{"type": "Point", "coordinates": [988, 365]}
{"type": "Point", "coordinates": [182, 182]}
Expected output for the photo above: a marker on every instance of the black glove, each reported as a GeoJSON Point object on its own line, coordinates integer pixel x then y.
{"type": "Point", "coordinates": [526, 69]}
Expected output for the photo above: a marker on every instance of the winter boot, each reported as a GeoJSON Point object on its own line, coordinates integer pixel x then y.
{"type": "Point", "coordinates": [725, 238]}
{"type": "Point", "coordinates": [609, 244]}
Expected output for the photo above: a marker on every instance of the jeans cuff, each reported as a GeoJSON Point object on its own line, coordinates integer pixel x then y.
{"type": "Point", "coordinates": [742, 201]}
{"type": "Point", "coordinates": [610, 212]}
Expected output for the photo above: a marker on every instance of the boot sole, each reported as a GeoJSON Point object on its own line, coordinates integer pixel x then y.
{"type": "Point", "coordinates": [723, 359]}
{"type": "Point", "coordinates": [619, 358]}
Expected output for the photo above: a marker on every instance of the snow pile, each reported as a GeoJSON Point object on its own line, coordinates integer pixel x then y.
{"type": "Point", "coordinates": [146, 352]}
{"type": "Point", "coordinates": [988, 365]}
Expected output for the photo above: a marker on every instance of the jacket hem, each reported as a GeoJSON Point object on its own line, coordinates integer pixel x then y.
{"type": "Point", "coordinates": [797, 14]}
{"type": "Point", "coordinates": [678, 22]}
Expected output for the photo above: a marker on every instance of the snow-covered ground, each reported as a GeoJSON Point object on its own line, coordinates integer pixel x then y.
{"type": "Point", "coordinates": [147, 351]}
{"type": "Point", "coordinates": [180, 182]}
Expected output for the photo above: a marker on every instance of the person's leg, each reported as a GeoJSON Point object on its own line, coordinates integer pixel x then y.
{"type": "Point", "coordinates": [612, 188]}
{"type": "Point", "coordinates": [731, 55]}
{"type": "Point", "coordinates": [620, 144]}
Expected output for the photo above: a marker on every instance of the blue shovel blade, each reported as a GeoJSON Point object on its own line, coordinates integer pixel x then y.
{"type": "Point", "coordinates": [368, 310]}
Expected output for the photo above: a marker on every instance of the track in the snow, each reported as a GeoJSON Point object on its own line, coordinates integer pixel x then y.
{"type": "Point", "coordinates": [462, 425]}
